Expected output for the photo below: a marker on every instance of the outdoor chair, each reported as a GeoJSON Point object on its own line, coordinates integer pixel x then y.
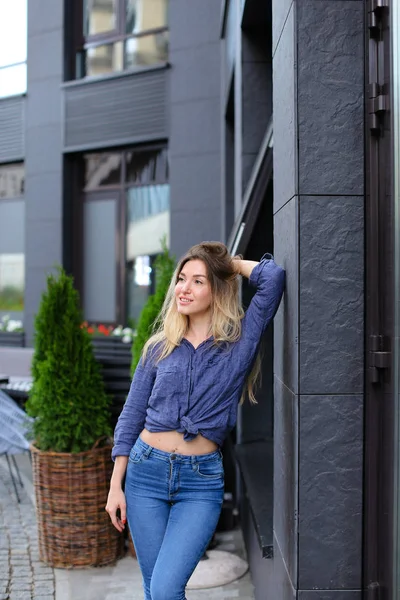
{"type": "Point", "coordinates": [15, 433]}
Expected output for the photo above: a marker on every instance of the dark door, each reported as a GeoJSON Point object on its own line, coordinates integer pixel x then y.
{"type": "Point", "coordinates": [379, 396]}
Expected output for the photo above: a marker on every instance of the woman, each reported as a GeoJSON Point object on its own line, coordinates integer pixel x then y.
{"type": "Point", "coordinates": [181, 405]}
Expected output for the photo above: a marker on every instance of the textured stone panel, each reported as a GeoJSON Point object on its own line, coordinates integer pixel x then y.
{"type": "Point", "coordinates": [331, 294]}
{"type": "Point", "coordinates": [280, 11]}
{"type": "Point", "coordinates": [193, 23]}
{"type": "Point", "coordinates": [330, 46]}
{"type": "Point", "coordinates": [256, 104]}
{"type": "Point", "coordinates": [286, 474]}
{"type": "Point", "coordinates": [195, 127]}
{"type": "Point", "coordinates": [330, 491]}
{"type": "Point", "coordinates": [285, 136]}
{"type": "Point", "coordinates": [286, 322]}
{"type": "Point", "coordinates": [329, 595]}
{"type": "Point", "coordinates": [196, 72]}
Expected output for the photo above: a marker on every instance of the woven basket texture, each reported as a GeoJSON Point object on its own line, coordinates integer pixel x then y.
{"type": "Point", "coordinates": [71, 492]}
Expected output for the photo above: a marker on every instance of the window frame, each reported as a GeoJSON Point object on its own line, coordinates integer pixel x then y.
{"type": "Point", "coordinates": [21, 196]}
{"type": "Point", "coordinates": [86, 195]}
{"type": "Point", "coordinates": [114, 36]}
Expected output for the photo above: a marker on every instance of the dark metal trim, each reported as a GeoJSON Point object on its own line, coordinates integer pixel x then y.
{"type": "Point", "coordinates": [378, 559]}
{"type": "Point", "coordinates": [117, 75]}
{"type": "Point", "coordinates": [113, 144]}
{"type": "Point", "coordinates": [253, 196]}
{"type": "Point", "coordinates": [224, 14]}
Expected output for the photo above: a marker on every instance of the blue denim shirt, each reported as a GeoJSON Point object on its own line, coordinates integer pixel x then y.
{"type": "Point", "coordinates": [198, 390]}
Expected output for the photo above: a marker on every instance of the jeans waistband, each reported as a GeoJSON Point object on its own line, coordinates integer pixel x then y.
{"type": "Point", "coordinates": [167, 456]}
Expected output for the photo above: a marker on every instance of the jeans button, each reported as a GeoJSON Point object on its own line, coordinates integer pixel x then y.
{"type": "Point", "coordinates": [173, 456]}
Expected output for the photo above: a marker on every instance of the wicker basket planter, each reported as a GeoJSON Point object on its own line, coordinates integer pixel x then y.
{"type": "Point", "coordinates": [71, 493]}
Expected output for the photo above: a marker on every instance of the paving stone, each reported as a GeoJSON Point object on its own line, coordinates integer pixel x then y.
{"type": "Point", "coordinates": [18, 546]}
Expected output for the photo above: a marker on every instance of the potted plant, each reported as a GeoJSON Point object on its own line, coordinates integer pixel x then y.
{"type": "Point", "coordinates": [71, 454]}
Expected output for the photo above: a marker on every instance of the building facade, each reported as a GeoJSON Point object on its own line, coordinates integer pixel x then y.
{"type": "Point", "coordinates": [272, 125]}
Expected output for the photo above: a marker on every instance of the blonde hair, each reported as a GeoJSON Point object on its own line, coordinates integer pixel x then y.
{"type": "Point", "coordinates": [226, 314]}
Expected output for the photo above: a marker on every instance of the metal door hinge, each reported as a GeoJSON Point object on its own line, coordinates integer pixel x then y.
{"type": "Point", "coordinates": [379, 358]}
{"type": "Point", "coordinates": [373, 591]}
{"type": "Point", "coordinates": [376, 11]}
{"type": "Point", "coordinates": [377, 107]}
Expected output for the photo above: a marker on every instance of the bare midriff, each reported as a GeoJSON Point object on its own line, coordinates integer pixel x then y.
{"type": "Point", "coordinates": [173, 442]}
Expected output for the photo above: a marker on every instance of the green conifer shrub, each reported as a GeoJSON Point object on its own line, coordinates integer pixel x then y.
{"type": "Point", "coordinates": [67, 396]}
{"type": "Point", "coordinates": [164, 267]}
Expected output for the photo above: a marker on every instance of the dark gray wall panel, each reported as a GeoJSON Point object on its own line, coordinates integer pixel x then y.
{"type": "Point", "coordinates": [330, 491]}
{"type": "Point", "coordinates": [48, 205]}
{"type": "Point", "coordinates": [12, 129]}
{"type": "Point", "coordinates": [195, 123]}
{"type": "Point", "coordinates": [125, 109]}
{"type": "Point", "coordinates": [12, 226]}
{"type": "Point", "coordinates": [331, 294]}
{"type": "Point", "coordinates": [197, 78]}
{"type": "Point", "coordinates": [286, 322]}
{"type": "Point", "coordinates": [43, 209]}
{"type": "Point", "coordinates": [195, 23]}
{"type": "Point", "coordinates": [195, 127]}
{"type": "Point", "coordinates": [47, 16]}
{"type": "Point", "coordinates": [330, 96]}
{"type": "Point", "coordinates": [285, 123]}
{"type": "Point", "coordinates": [286, 426]}
{"type": "Point", "coordinates": [193, 226]}
{"type": "Point", "coordinates": [44, 49]}
{"type": "Point", "coordinates": [187, 173]}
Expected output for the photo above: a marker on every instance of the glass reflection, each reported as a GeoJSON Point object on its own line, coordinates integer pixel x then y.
{"type": "Point", "coordinates": [12, 282]}
{"type": "Point", "coordinates": [100, 16]}
{"type": "Point", "coordinates": [147, 166]}
{"type": "Point", "coordinates": [101, 60]}
{"type": "Point", "coordinates": [143, 15]}
{"type": "Point", "coordinates": [147, 224]}
{"type": "Point", "coordinates": [102, 169]}
{"type": "Point", "coordinates": [147, 50]}
{"type": "Point", "coordinates": [12, 181]}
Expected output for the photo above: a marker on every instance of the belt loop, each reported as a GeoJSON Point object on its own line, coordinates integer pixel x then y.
{"type": "Point", "coordinates": [148, 451]}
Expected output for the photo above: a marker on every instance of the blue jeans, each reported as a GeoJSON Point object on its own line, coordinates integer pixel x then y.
{"type": "Point", "coordinates": [173, 506]}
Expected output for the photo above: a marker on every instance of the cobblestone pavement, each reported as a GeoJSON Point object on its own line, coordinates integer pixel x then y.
{"type": "Point", "coordinates": [22, 575]}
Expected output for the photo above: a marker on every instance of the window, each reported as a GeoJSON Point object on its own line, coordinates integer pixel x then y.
{"type": "Point", "coordinates": [12, 181]}
{"type": "Point", "coordinates": [12, 277]}
{"type": "Point", "coordinates": [13, 47]}
{"type": "Point", "coordinates": [133, 187]}
{"type": "Point", "coordinates": [122, 34]}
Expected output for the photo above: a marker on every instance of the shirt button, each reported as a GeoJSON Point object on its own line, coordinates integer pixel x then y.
{"type": "Point", "coordinates": [173, 456]}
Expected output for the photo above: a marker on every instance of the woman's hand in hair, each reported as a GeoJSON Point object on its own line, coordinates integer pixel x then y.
{"type": "Point", "coordinates": [243, 267]}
